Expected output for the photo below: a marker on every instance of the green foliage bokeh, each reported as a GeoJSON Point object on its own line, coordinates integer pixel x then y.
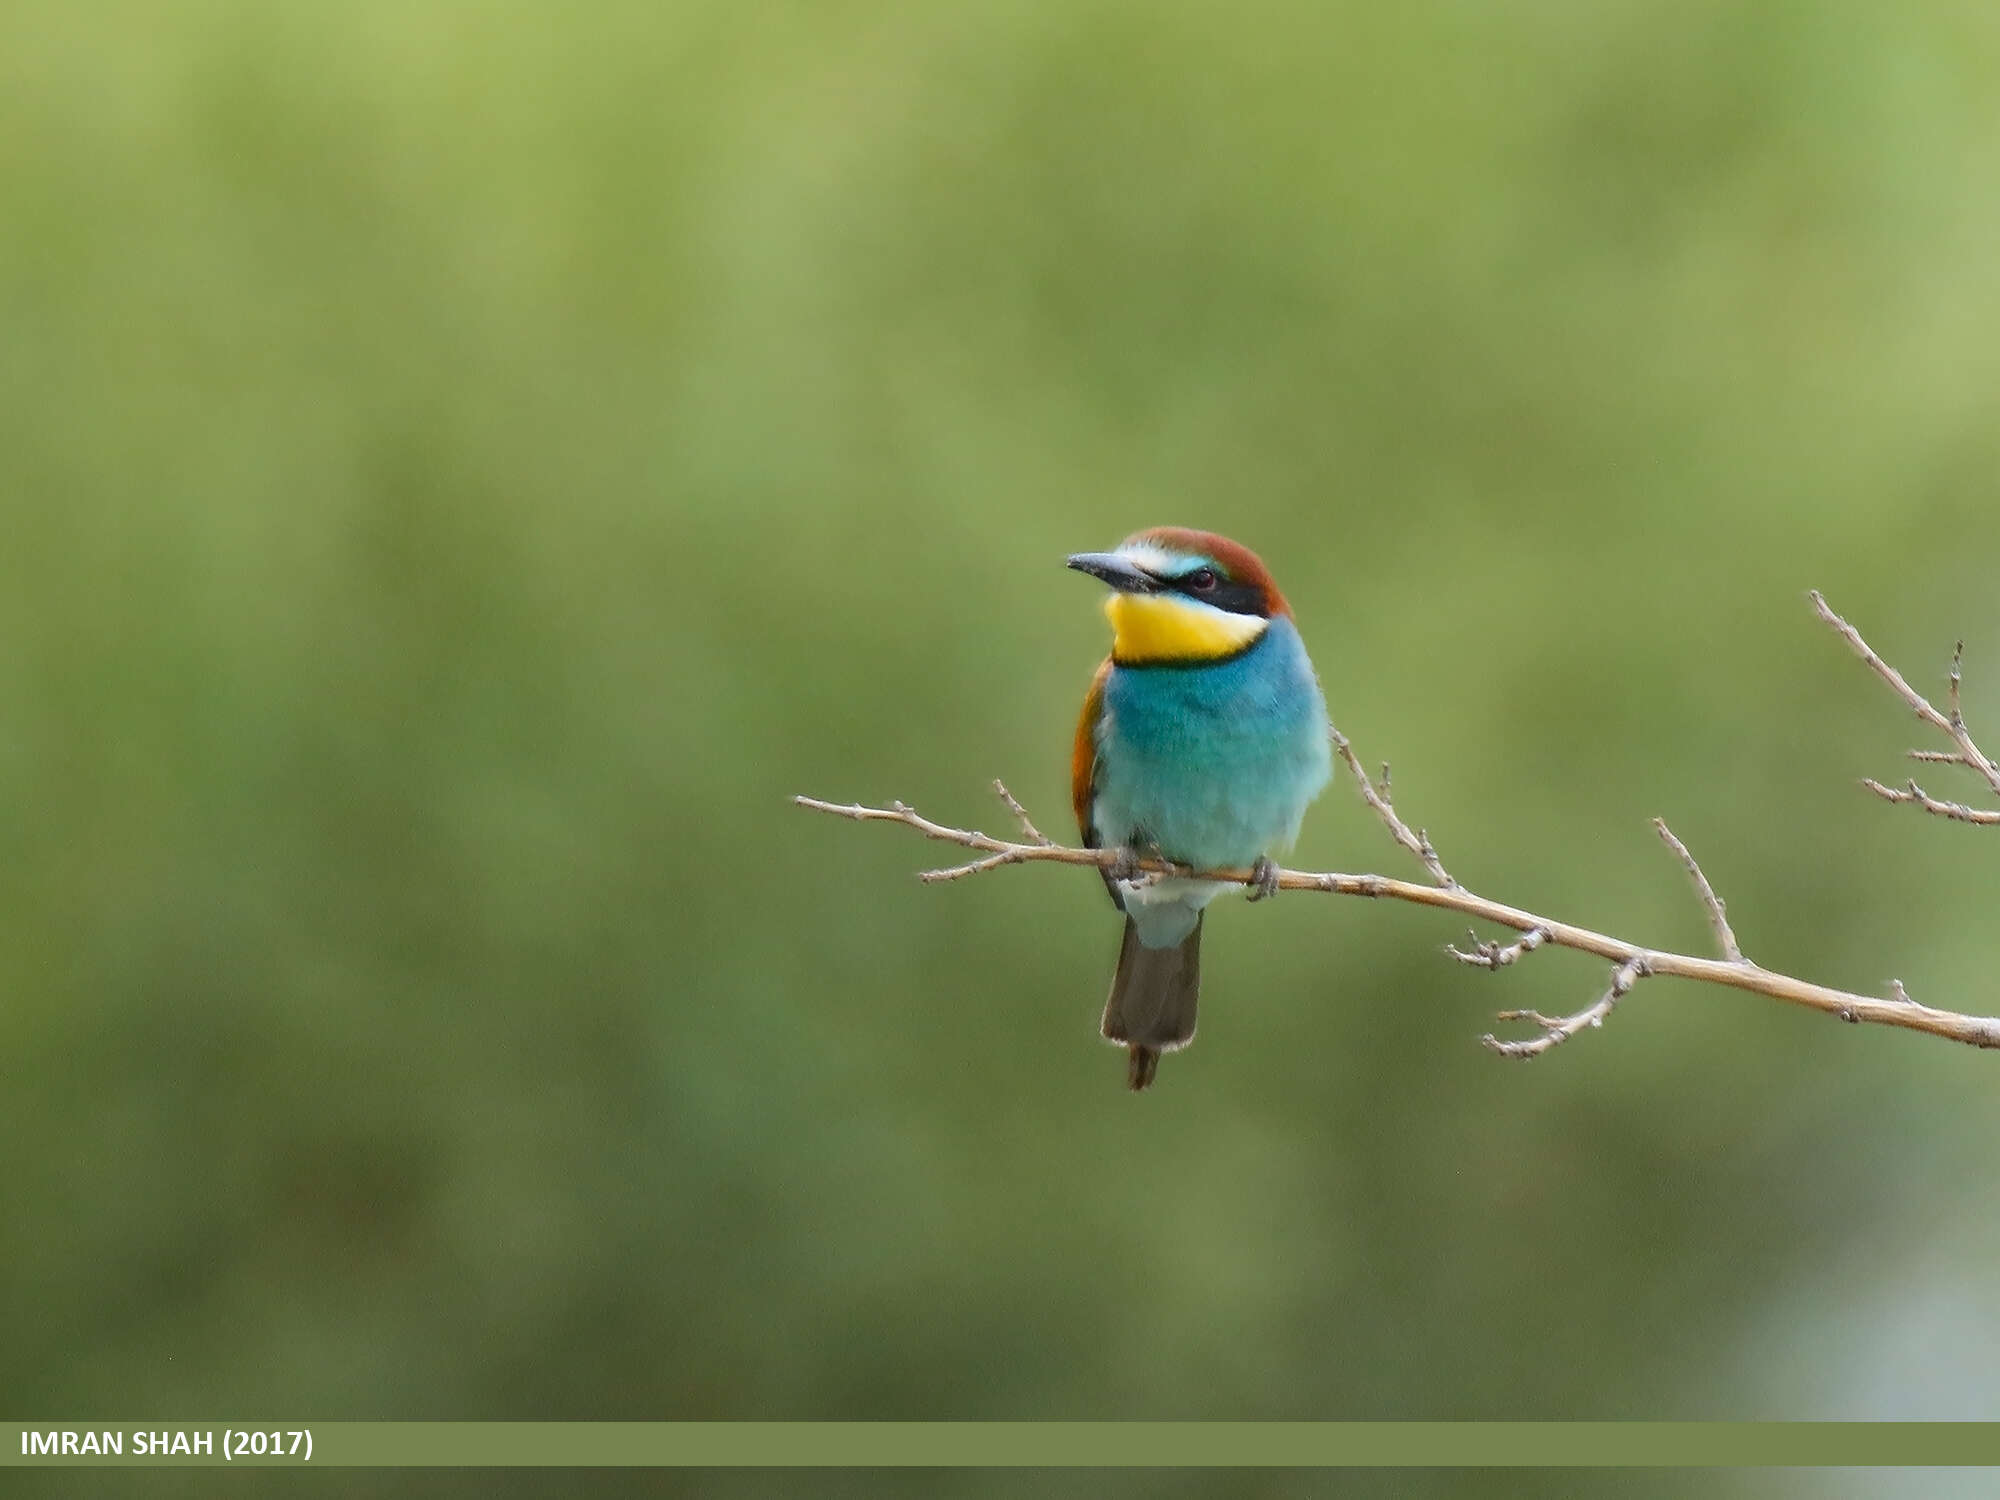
{"type": "Point", "coordinates": [466, 467]}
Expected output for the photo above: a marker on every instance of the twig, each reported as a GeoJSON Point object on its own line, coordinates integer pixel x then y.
{"type": "Point", "coordinates": [1020, 814]}
{"type": "Point", "coordinates": [1558, 1029]}
{"type": "Point", "coordinates": [1952, 725]}
{"type": "Point", "coordinates": [1909, 791]}
{"type": "Point", "coordinates": [1630, 958]}
{"type": "Point", "coordinates": [1496, 956]}
{"type": "Point", "coordinates": [1718, 918]}
{"type": "Point", "coordinates": [1002, 851]}
{"type": "Point", "coordinates": [1378, 797]}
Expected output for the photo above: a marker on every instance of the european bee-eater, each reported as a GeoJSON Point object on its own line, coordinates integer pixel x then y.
{"type": "Point", "coordinates": [1203, 738]}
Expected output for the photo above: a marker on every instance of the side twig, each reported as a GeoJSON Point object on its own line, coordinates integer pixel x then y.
{"type": "Point", "coordinates": [1485, 955]}
{"type": "Point", "coordinates": [1020, 814]}
{"type": "Point", "coordinates": [1559, 1029]}
{"type": "Point", "coordinates": [1378, 797]}
{"type": "Point", "coordinates": [1718, 916]}
{"type": "Point", "coordinates": [1951, 724]}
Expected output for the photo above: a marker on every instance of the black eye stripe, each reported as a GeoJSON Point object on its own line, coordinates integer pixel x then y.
{"type": "Point", "coordinates": [1222, 593]}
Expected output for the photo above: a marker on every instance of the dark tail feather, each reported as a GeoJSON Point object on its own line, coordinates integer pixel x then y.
{"type": "Point", "coordinates": [1153, 997]}
{"type": "Point", "coordinates": [1140, 1070]}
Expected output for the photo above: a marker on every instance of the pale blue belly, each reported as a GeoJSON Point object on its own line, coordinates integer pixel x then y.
{"type": "Point", "coordinates": [1214, 764]}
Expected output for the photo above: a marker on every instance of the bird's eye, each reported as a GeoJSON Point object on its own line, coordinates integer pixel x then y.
{"type": "Point", "coordinates": [1201, 580]}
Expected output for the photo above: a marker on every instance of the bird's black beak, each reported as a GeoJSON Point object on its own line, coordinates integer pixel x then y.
{"type": "Point", "coordinates": [1116, 571]}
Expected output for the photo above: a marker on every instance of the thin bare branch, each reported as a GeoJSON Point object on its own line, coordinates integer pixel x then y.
{"type": "Point", "coordinates": [976, 867]}
{"type": "Point", "coordinates": [1718, 917]}
{"type": "Point", "coordinates": [1020, 814]}
{"type": "Point", "coordinates": [1737, 974]}
{"type": "Point", "coordinates": [1558, 1029]}
{"type": "Point", "coordinates": [1631, 962]}
{"type": "Point", "coordinates": [1952, 725]}
{"type": "Point", "coordinates": [1497, 956]}
{"type": "Point", "coordinates": [899, 812]}
{"type": "Point", "coordinates": [1379, 798]}
{"type": "Point", "coordinates": [1909, 791]}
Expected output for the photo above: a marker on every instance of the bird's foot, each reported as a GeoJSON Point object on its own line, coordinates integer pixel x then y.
{"type": "Point", "coordinates": [1125, 867]}
{"type": "Point", "coordinates": [1263, 879]}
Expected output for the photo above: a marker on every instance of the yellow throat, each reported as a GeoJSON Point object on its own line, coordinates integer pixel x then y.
{"type": "Point", "coordinates": [1172, 627]}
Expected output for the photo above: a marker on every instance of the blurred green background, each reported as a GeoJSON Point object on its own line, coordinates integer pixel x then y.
{"type": "Point", "coordinates": [465, 468]}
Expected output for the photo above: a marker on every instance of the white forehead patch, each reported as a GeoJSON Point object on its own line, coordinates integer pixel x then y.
{"type": "Point", "coordinates": [1155, 560]}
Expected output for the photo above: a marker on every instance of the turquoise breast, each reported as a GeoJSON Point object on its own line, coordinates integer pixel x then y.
{"type": "Point", "coordinates": [1214, 763]}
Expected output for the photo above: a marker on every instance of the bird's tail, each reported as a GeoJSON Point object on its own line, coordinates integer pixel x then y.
{"type": "Point", "coordinates": [1152, 1002]}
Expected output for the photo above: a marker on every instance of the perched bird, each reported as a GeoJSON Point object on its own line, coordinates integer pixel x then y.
{"type": "Point", "coordinates": [1202, 740]}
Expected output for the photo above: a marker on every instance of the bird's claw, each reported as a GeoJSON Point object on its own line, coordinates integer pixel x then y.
{"type": "Point", "coordinates": [1263, 879]}
{"type": "Point", "coordinates": [1124, 867]}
